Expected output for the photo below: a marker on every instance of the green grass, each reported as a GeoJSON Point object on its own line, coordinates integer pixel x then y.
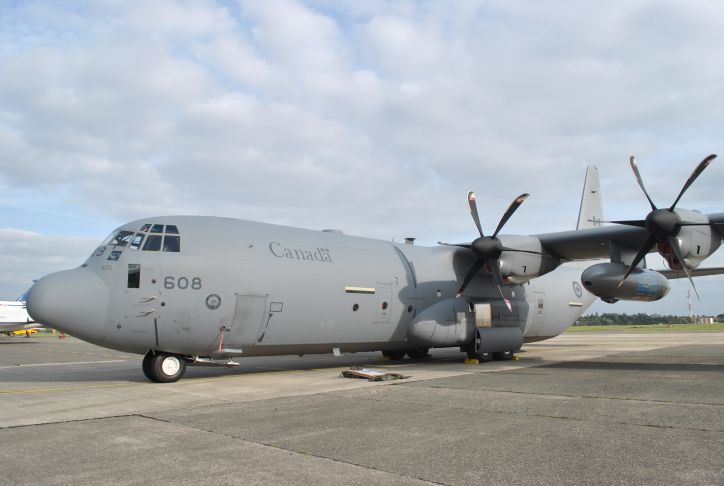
{"type": "Point", "coordinates": [717, 326]}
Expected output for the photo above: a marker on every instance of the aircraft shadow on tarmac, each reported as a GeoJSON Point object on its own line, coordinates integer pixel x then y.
{"type": "Point", "coordinates": [636, 366]}
{"type": "Point", "coordinates": [129, 369]}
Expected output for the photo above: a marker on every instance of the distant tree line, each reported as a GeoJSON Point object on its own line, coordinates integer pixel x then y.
{"type": "Point", "coordinates": [610, 319]}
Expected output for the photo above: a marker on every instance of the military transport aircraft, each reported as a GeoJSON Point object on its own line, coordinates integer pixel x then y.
{"type": "Point", "coordinates": [14, 316]}
{"type": "Point", "coordinates": [205, 290]}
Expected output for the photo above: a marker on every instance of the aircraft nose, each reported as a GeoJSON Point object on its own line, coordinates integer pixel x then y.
{"type": "Point", "coordinates": [74, 301]}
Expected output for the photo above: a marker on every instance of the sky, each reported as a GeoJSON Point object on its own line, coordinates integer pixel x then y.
{"type": "Point", "coordinates": [372, 117]}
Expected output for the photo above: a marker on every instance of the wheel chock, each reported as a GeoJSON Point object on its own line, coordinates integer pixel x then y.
{"type": "Point", "coordinates": [472, 361]}
{"type": "Point", "coordinates": [383, 358]}
{"type": "Point", "coordinates": [515, 357]}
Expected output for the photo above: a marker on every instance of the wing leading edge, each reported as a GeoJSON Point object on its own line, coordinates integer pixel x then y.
{"type": "Point", "coordinates": [595, 243]}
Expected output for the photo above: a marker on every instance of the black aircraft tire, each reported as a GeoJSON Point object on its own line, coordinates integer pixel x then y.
{"type": "Point", "coordinates": [395, 354]}
{"type": "Point", "coordinates": [474, 352]}
{"type": "Point", "coordinates": [146, 366]}
{"type": "Point", "coordinates": [503, 355]}
{"type": "Point", "coordinates": [167, 368]}
{"type": "Point", "coordinates": [482, 357]}
{"type": "Point", "coordinates": [420, 353]}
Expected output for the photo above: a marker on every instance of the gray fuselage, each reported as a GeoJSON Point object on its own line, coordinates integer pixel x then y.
{"type": "Point", "coordinates": [233, 287]}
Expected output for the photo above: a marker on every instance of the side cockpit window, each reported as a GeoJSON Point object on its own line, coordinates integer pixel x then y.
{"type": "Point", "coordinates": [137, 240]}
{"type": "Point", "coordinates": [161, 238]}
{"type": "Point", "coordinates": [122, 238]}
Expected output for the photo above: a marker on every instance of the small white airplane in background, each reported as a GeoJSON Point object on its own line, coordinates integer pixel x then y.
{"type": "Point", "coordinates": [14, 316]}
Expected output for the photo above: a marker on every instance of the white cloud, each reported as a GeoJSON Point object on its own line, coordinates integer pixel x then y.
{"type": "Point", "coordinates": [26, 256]}
{"type": "Point", "coordinates": [374, 117]}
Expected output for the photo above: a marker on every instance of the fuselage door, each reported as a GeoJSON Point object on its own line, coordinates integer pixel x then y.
{"type": "Point", "coordinates": [135, 315]}
{"type": "Point", "coordinates": [249, 316]}
{"type": "Point", "coordinates": [384, 303]}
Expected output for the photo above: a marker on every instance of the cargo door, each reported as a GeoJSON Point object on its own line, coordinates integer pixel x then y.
{"type": "Point", "coordinates": [249, 316]}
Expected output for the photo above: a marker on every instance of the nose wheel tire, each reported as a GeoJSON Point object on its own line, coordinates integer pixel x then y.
{"type": "Point", "coordinates": [163, 367]}
{"type": "Point", "coordinates": [146, 365]}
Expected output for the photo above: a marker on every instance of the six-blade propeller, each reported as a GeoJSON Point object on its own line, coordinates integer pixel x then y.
{"type": "Point", "coordinates": [487, 249]}
{"type": "Point", "coordinates": [663, 224]}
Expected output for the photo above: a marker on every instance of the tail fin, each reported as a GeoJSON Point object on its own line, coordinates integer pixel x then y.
{"type": "Point", "coordinates": [24, 297]}
{"type": "Point", "coordinates": [591, 213]}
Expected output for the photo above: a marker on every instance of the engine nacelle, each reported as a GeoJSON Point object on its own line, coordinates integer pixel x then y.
{"type": "Point", "coordinates": [456, 322]}
{"type": "Point", "coordinates": [603, 280]}
{"type": "Point", "coordinates": [520, 267]}
{"type": "Point", "coordinates": [696, 242]}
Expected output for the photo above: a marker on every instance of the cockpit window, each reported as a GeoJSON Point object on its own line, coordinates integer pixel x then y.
{"type": "Point", "coordinates": [172, 243]}
{"type": "Point", "coordinates": [123, 238]}
{"type": "Point", "coordinates": [168, 241]}
{"type": "Point", "coordinates": [136, 243]}
{"type": "Point", "coordinates": [153, 243]}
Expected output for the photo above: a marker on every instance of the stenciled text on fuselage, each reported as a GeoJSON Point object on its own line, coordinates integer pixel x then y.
{"type": "Point", "coordinates": [318, 255]}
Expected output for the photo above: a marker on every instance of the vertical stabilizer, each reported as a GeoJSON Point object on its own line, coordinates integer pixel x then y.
{"type": "Point", "coordinates": [591, 213]}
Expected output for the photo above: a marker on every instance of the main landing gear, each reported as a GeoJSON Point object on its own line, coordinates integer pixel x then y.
{"type": "Point", "coordinates": [162, 367]}
{"type": "Point", "coordinates": [474, 351]}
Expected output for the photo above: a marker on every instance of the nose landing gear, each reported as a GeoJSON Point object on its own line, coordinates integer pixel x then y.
{"type": "Point", "coordinates": [161, 367]}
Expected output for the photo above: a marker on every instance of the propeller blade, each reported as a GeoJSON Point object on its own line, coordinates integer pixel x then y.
{"type": "Point", "coordinates": [477, 265]}
{"type": "Point", "coordinates": [635, 169]}
{"type": "Point", "coordinates": [498, 278]}
{"type": "Point", "coordinates": [639, 223]}
{"type": "Point", "coordinates": [474, 212]}
{"type": "Point", "coordinates": [697, 172]}
{"type": "Point", "coordinates": [674, 243]}
{"type": "Point", "coordinates": [650, 242]}
{"type": "Point", "coordinates": [511, 209]}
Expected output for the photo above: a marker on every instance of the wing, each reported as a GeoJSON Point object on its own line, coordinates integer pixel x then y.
{"type": "Point", "coordinates": [696, 272]}
{"type": "Point", "coordinates": [594, 243]}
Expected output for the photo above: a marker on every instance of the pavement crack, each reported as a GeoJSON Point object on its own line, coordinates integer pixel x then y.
{"type": "Point", "coordinates": [293, 451]}
{"type": "Point", "coordinates": [541, 415]}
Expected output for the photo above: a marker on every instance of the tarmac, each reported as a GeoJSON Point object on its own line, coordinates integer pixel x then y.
{"type": "Point", "coordinates": [583, 408]}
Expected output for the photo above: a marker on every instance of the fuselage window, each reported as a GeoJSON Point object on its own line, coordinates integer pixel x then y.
{"type": "Point", "coordinates": [157, 228]}
{"type": "Point", "coordinates": [136, 243]}
{"type": "Point", "coordinates": [134, 275]}
{"type": "Point", "coordinates": [153, 243]}
{"type": "Point", "coordinates": [123, 238]}
{"type": "Point", "coordinates": [171, 229]}
{"type": "Point", "coordinates": [172, 243]}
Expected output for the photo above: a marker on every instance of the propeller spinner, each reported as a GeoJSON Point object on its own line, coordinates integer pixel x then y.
{"type": "Point", "coordinates": [488, 249]}
{"type": "Point", "coordinates": [663, 224]}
